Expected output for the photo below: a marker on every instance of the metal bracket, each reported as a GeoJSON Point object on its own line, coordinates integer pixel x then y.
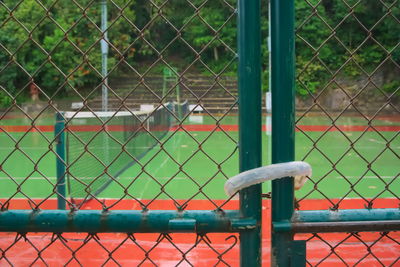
{"type": "Point", "coordinates": [182, 225]}
{"type": "Point", "coordinates": [298, 253]}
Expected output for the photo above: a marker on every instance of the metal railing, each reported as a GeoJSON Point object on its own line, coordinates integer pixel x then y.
{"type": "Point", "coordinates": [56, 50]}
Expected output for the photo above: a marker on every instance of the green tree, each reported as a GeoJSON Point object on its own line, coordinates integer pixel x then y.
{"type": "Point", "coordinates": [57, 44]}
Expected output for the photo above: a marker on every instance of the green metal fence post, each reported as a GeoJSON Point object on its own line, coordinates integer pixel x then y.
{"type": "Point", "coordinates": [60, 160]}
{"type": "Point", "coordinates": [249, 42]}
{"type": "Point", "coordinates": [283, 119]}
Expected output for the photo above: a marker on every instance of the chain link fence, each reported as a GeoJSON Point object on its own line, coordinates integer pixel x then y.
{"type": "Point", "coordinates": [154, 144]}
{"type": "Point", "coordinates": [108, 106]}
{"type": "Point", "coordinates": [348, 111]}
{"type": "Point", "coordinates": [129, 249]}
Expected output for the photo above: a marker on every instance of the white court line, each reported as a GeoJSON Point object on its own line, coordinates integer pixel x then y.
{"type": "Point", "coordinates": [113, 198]}
{"type": "Point", "coordinates": [367, 177]}
{"type": "Point", "coordinates": [376, 141]}
{"type": "Point", "coordinates": [47, 149]}
{"type": "Point", "coordinates": [91, 178]}
{"type": "Point", "coordinates": [26, 148]}
{"type": "Point", "coordinates": [40, 178]}
{"type": "Point", "coordinates": [159, 168]}
{"type": "Point", "coordinates": [149, 178]}
{"type": "Point", "coordinates": [180, 178]}
{"type": "Point", "coordinates": [29, 178]}
{"type": "Point", "coordinates": [175, 178]}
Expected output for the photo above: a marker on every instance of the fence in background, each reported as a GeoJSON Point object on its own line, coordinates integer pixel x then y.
{"type": "Point", "coordinates": [168, 208]}
{"type": "Point", "coordinates": [347, 50]}
{"type": "Point", "coordinates": [53, 49]}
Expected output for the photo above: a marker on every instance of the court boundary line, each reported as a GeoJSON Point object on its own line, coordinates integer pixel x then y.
{"type": "Point", "coordinates": [210, 127]}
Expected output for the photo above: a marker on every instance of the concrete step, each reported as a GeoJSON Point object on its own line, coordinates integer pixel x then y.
{"type": "Point", "coordinates": [221, 100]}
{"type": "Point", "coordinates": [215, 94]}
{"type": "Point", "coordinates": [142, 88]}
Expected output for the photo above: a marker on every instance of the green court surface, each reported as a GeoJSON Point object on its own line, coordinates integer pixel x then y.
{"type": "Point", "coordinates": [195, 163]}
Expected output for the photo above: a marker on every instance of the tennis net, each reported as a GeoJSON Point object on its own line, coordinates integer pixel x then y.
{"type": "Point", "coordinates": [100, 146]}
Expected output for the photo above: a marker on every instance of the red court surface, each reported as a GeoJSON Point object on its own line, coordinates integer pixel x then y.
{"type": "Point", "coordinates": [221, 249]}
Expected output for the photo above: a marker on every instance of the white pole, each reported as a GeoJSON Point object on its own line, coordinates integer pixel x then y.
{"type": "Point", "coordinates": [104, 72]}
{"type": "Point", "coordinates": [104, 55]}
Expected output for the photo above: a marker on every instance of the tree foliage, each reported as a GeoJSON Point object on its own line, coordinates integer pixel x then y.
{"type": "Point", "coordinates": [345, 39]}
{"type": "Point", "coordinates": [56, 44]}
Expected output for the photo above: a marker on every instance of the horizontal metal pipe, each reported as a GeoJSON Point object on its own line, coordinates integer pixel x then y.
{"type": "Point", "coordinates": [360, 226]}
{"type": "Point", "coordinates": [360, 220]}
{"type": "Point", "coordinates": [337, 227]}
{"type": "Point", "coordinates": [97, 221]}
{"type": "Point", "coordinates": [346, 215]}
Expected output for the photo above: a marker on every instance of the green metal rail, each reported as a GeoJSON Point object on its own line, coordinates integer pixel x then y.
{"type": "Point", "coordinates": [246, 221]}
{"type": "Point", "coordinates": [59, 133]}
{"type": "Point", "coordinates": [285, 221]}
{"type": "Point", "coordinates": [97, 221]}
{"type": "Point", "coordinates": [326, 221]}
{"type": "Point", "coordinates": [249, 45]}
{"type": "Point", "coordinates": [283, 120]}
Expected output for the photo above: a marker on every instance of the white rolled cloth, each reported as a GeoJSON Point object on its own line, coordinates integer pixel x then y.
{"type": "Point", "coordinates": [298, 169]}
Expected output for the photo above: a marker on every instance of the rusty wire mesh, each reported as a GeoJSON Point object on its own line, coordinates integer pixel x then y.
{"type": "Point", "coordinates": [141, 35]}
{"type": "Point", "coordinates": [332, 64]}
{"type": "Point", "coordinates": [364, 99]}
{"type": "Point", "coordinates": [53, 47]}
{"type": "Point", "coordinates": [348, 111]}
{"type": "Point", "coordinates": [379, 249]}
{"type": "Point", "coordinates": [123, 249]}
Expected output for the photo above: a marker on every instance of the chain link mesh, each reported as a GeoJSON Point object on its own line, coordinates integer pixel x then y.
{"type": "Point", "coordinates": [380, 249]}
{"type": "Point", "coordinates": [363, 119]}
{"type": "Point", "coordinates": [122, 249]}
{"type": "Point", "coordinates": [51, 62]}
{"type": "Point", "coordinates": [50, 53]}
{"type": "Point", "coordinates": [348, 111]}
{"type": "Point", "coordinates": [84, 15]}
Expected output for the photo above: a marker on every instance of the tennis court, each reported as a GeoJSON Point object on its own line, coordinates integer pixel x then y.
{"type": "Point", "coordinates": [136, 177]}
{"type": "Point", "coordinates": [29, 168]}
{"type": "Point", "coordinates": [189, 172]}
